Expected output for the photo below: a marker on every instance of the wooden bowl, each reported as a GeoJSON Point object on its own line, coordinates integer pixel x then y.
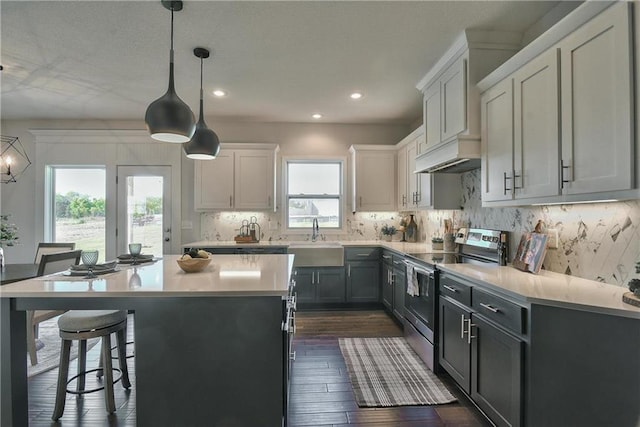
{"type": "Point", "coordinates": [193, 265]}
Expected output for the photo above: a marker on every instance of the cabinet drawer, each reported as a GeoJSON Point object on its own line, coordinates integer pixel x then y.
{"type": "Point", "coordinates": [387, 257]}
{"type": "Point", "coordinates": [398, 262]}
{"type": "Point", "coordinates": [501, 311]}
{"type": "Point", "coordinates": [362, 254]}
{"type": "Point", "coordinates": [455, 290]}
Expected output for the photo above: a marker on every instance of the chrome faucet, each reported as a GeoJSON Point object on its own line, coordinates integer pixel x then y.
{"type": "Point", "coordinates": [316, 230]}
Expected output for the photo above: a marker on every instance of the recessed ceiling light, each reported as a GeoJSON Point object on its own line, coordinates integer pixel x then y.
{"type": "Point", "coordinates": [317, 116]}
{"type": "Point", "coordinates": [356, 95]}
{"type": "Point", "coordinates": [219, 93]}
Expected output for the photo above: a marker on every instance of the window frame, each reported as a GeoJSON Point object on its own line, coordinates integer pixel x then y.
{"type": "Point", "coordinates": [341, 197]}
{"type": "Point", "coordinates": [50, 197]}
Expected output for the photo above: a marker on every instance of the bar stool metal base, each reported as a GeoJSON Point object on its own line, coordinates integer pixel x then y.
{"type": "Point", "coordinates": [84, 374]}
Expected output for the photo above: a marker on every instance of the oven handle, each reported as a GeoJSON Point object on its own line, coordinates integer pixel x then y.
{"type": "Point", "coordinates": [419, 269]}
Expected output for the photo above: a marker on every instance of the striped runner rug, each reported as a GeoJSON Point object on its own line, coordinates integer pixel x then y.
{"type": "Point", "coordinates": [387, 372]}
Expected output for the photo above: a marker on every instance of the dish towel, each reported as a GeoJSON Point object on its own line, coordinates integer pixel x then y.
{"type": "Point", "coordinates": [413, 289]}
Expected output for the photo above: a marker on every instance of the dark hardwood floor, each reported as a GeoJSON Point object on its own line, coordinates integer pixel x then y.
{"type": "Point", "coordinates": [321, 393]}
{"type": "Point", "coordinates": [320, 389]}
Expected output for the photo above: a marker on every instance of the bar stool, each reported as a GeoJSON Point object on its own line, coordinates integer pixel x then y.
{"type": "Point", "coordinates": [82, 325]}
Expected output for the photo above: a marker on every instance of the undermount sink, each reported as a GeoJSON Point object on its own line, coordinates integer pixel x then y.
{"type": "Point", "coordinates": [317, 254]}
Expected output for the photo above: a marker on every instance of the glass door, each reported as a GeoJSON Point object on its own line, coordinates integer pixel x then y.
{"type": "Point", "coordinates": [144, 209]}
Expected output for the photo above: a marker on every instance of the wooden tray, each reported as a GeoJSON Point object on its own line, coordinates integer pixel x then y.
{"type": "Point", "coordinates": [630, 298]}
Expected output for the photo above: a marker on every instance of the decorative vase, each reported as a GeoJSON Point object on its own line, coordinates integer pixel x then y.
{"type": "Point", "coordinates": [449, 242]}
{"type": "Point", "coordinates": [412, 230]}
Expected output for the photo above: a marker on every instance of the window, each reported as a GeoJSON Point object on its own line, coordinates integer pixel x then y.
{"type": "Point", "coordinates": [314, 190]}
{"type": "Point", "coordinates": [77, 207]}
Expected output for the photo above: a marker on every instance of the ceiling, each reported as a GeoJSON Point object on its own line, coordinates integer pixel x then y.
{"type": "Point", "coordinates": [279, 61]}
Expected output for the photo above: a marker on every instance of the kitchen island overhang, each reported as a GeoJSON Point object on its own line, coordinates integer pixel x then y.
{"type": "Point", "coordinates": [207, 347]}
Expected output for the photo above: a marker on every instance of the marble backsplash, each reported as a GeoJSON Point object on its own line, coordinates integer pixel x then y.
{"type": "Point", "coordinates": [599, 241]}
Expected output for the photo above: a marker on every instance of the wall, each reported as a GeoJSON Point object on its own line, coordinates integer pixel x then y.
{"type": "Point", "coordinates": [21, 201]}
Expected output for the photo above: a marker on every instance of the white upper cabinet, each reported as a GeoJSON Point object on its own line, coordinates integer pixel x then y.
{"type": "Point", "coordinates": [241, 177]}
{"type": "Point", "coordinates": [497, 142]}
{"type": "Point", "coordinates": [402, 189]}
{"type": "Point", "coordinates": [423, 190]}
{"type": "Point", "coordinates": [597, 104]}
{"type": "Point", "coordinates": [432, 114]}
{"type": "Point", "coordinates": [373, 177]}
{"type": "Point", "coordinates": [453, 98]}
{"type": "Point", "coordinates": [520, 133]}
{"type": "Point", "coordinates": [562, 108]}
{"type": "Point", "coordinates": [214, 182]}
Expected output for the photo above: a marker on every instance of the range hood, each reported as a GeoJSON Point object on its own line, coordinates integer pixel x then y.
{"type": "Point", "coordinates": [459, 154]}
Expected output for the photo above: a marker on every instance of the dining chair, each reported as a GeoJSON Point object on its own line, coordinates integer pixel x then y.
{"type": "Point", "coordinates": [49, 263]}
{"type": "Point", "coordinates": [50, 248]}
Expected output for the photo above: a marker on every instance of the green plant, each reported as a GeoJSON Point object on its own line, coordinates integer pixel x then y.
{"type": "Point", "coordinates": [8, 231]}
{"type": "Point", "coordinates": [388, 230]}
{"type": "Point", "coordinates": [437, 240]}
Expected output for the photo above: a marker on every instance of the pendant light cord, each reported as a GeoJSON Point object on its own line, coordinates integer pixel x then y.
{"type": "Point", "coordinates": [201, 92]}
{"type": "Point", "coordinates": [171, 32]}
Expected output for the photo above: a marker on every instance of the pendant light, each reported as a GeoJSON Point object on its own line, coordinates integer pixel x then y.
{"type": "Point", "coordinates": [168, 118]}
{"type": "Point", "coordinates": [204, 144]}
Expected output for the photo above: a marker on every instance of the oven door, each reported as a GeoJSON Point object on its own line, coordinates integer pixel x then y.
{"type": "Point", "coordinates": [420, 309]}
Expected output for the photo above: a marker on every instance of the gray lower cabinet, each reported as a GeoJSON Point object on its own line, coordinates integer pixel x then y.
{"type": "Point", "coordinates": [399, 288]}
{"type": "Point", "coordinates": [454, 352]}
{"type": "Point", "coordinates": [320, 284]}
{"type": "Point", "coordinates": [363, 281]}
{"type": "Point", "coordinates": [393, 280]}
{"type": "Point", "coordinates": [362, 265]}
{"type": "Point", "coordinates": [481, 347]}
{"type": "Point", "coordinates": [496, 372]}
{"type": "Point", "coordinates": [386, 280]}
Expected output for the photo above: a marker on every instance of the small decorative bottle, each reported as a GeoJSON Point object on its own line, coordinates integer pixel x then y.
{"type": "Point", "coordinates": [503, 249]}
{"type": "Point", "coordinates": [412, 230]}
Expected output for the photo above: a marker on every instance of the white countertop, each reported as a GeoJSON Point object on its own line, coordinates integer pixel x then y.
{"type": "Point", "coordinates": [545, 288]}
{"type": "Point", "coordinates": [549, 288]}
{"type": "Point", "coordinates": [404, 247]}
{"type": "Point", "coordinates": [226, 275]}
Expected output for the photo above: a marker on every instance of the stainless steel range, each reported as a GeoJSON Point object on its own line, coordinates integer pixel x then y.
{"type": "Point", "coordinates": [474, 245]}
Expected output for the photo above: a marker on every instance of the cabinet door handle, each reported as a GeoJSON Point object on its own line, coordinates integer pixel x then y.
{"type": "Point", "coordinates": [313, 277]}
{"type": "Point", "coordinates": [449, 288]}
{"type": "Point", "coordinates": [318, 277]}
{"type": "Point", "coordinates": [521, 181]}
{"type": "Point", "coordinates": [504, 183]}
{"type": "Point", "coordinates": [563, 167]}
{"type": "Point", "coordinates": [462, 331]}
{"type": "Point", "coordinates": [360, 201]}
{"type": "Point", "coordinates": [349, 270]}
{"type": "Point", "coordinates": [386, 257]}
{"type": "Point", "coordinates": [230, 201]}
{"type": "Point", "coordinates": [362, 254]}
{"type": "Point", "coordinates": [404, 200]}
{"type": "Point", "coordinates": [489, 307]}
{"type": "Point", "coordinates": [269, 201]}
{"type": "Point", "coordinates": [469, 336]}
{"type": "Point", "coordinates": [396, 262]}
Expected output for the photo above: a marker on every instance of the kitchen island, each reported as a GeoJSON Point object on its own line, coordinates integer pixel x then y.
{"type": "Point", "coordinates": [209, 346]}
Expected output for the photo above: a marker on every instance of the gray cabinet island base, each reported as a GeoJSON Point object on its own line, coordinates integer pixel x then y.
{"type": "Point", "coordinates": [208, 359]}
{"type": "Point", "coordinates": [210, 347]}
